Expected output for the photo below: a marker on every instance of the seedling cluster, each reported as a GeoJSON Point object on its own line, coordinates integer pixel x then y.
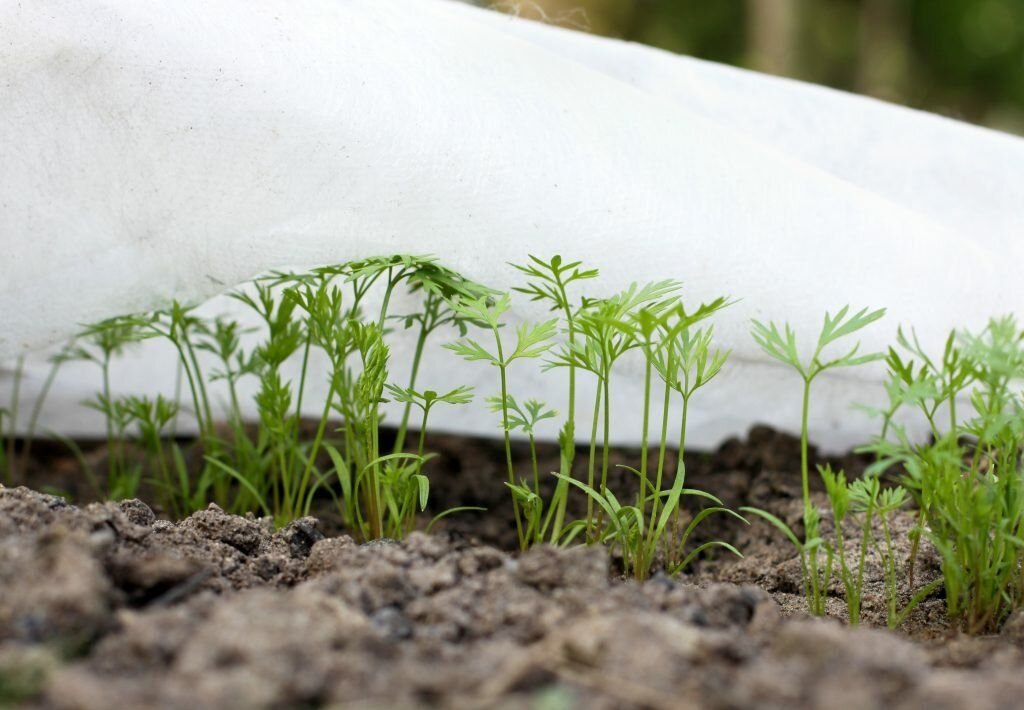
{"type": "Point", "coordinates": [966, 481]}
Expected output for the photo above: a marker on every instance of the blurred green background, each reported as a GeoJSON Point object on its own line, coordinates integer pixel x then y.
{"type": "Point", "coordinates": [961, 58]}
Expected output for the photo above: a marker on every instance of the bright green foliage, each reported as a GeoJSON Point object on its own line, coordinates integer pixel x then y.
{"type": "Point", "coordinates": [525, 418]}
{"type": "Point", "coordinates": [531, 341]}
{"type": "Point", "coordinates": [654, 322]}
{"type": "Point", "coordinates": [782, 346]}
{"type": "Point", "coordinates": [604, 339]}
{"type": "Point", "coordinates": [549, 282]}
{"type": "Point", "coordinates": [272, 465]}
{"type": "Point", "coordinates": [278, 463]}
{"type": "Point", "coordinates": [968, 481]}
{"type": "Point", "coordinates": [867, 498]}
{"type": "Point", "coordinates": [100, 344]}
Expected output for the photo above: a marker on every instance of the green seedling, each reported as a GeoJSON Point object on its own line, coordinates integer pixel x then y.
{"type": "Point", "coordinates": [665, 335]}
{"type": "Point", "coordinates": [604, 339]}
{"type": "Point", "coordinates": [56, 362]}
{"type": "Point", "coordinates": [781, 345]}
{"type": "Point", "coordinates": [532, 341]}
{"type": "Point", "coordinates": [152, 418]}
{"type": "Point", "coordinates": [413, 486]}
{"type": "Point", "coordinates": [872, 503]}
{"type": "Point", "coordinates": [438, 286]}
{"type": "Point", "coordinates": [928, 386]}
{"type": "Point", "coordinates": [840, 495]}
{"type": "Point", "coordinates": [277, 470]}
{"type": "Point", "coordinates": [549, 282]}
{"type": "Point", "coordinates": [968, 481]}
{"type": "Point", "coordinates": [12, 466]}
{"type": "Point", "coordinates": [102, 342]}
{"type": "Point", "coordinates": [685, 362]}
{"type": "Point", "coordinates": [525, 418]}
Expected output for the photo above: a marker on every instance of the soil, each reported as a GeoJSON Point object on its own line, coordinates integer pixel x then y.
{"type": "Point", "coordinates": [106, 605]}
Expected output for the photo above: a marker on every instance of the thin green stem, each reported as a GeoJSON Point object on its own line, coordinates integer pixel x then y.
{"type": "Point", "coordinates": [890, 574]}
{"type": "Point", "coordinates": [805, 483]}
{"type": "Point", "coordinates": [420, 446]}
{"type": "Point", "coordinates": [317, 440]}
{"type": "Point", "coordinates": [508, 446]}
{"type": "Point", "coordinates": [191, 378]}
{"type": "Point", "coordinates": [502, 367]}
{"type": "Point", "coordinates": [682, 427]}
{"type": "Point", "coordinates": [816, 601]}
{"type": "Point", "coordinates": [177, 398]}
{"type": "Point", "coordinates": [533, 461]}
{"type": "Point", "coordinates": [392, 282]}
{"type": "Point", "coordinates": [605, 432]}
{"type": "Point", "coordinates": [662, 448]}
{"type": "Point", "coordinates": [645, 431]}
{"type": "Point", "coordinates": [861, 562]}
{"type": "Point", "coordinates": [204, 398]}
{"type": "Point", "coordinates": [561, 497]}
{"type": "Point", "coordinates": [377, 521]}
{"type": "Point", "coordinates": [406, 411]}
{"type": "Point", "coordinates": [294, 448]}
{"type": "Point", "coordinates": [592, 463]}
{"type": "Point", "coordinates": [285, 478]}
{"type": "Point", "coordinates": [37, 408]}
{"type": "Point", "coordinates": [111, 447]}
{"type": "Point", "coordinates": [952, 411]}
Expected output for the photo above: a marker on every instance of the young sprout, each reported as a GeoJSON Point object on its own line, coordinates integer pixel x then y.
{"type": "Point", "coordinates": [968, 482]}
{"type": "Point", "coordinates": [532, 340]}
{"type": "Point", "coordinates": [102, 342]}
{"type": "Point", "coordinates": [369, 394]}
{"type": "Point", "coordinates": [685, 363]}
{"type": "Point", "coordinates": [425, 401]}
{"type": "Point", "coordinates": [525, 418]}
{"type": "Point", "coordinates": [782, 346]}
{"type": "Point", "coordinates": [549, 282]}
{"type": "Point", "coordinates": [306, 315]}
{"type": "Point", "coordinates": [605, 337]}
{"type": "Point", "coordinates": [928, 387]}
{"type": "Point", "coordinates": [438, 285]}
{"type": "Point", "coordinates": [663, 333]}
{"type": "Point", "coordinates": [152, 418]}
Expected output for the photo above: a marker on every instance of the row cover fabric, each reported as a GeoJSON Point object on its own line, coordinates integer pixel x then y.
{"type": "Point", "coordinates": [154, 151]}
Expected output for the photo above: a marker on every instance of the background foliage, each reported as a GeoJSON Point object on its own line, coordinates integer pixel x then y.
{"type": "Point", "coordinates": [961, 58]}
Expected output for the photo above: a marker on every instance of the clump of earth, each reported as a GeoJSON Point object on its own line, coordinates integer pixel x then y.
{"type": "Point", "coordinates": [107, 605]}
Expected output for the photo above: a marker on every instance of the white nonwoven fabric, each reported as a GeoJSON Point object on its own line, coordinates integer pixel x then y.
{"type": "Point", "coordinates": [156, 150]}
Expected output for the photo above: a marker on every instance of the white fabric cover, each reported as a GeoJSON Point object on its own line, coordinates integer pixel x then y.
{"type": "Point", "coordinates": [156, 150]}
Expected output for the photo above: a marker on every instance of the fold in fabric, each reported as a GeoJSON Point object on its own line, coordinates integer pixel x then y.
{"type": "Point", "coordinates": [157, 151]}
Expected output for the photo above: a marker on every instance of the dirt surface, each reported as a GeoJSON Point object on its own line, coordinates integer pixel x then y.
{"type": "Point", "coordinates": [106, 605]}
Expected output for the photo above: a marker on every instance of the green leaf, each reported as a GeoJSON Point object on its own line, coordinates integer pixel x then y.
{"type": "Point", "coordinates": [471, 350]}
{"type": "Point", "coordinates": [781, 526]}
{"type": "Point", "coordinates": [451, 511]}
{"type": "Point", "coordinates": [713, 543]}
{"type": "Point", "coordinates": [532, 340]}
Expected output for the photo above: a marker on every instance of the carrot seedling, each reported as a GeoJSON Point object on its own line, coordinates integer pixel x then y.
{"type": "Point", "coordinates": [550, 282]}
{"type": "Point", "coordinates": [532, 340]}
{"type": "Point", "coordinates": [781, 345]}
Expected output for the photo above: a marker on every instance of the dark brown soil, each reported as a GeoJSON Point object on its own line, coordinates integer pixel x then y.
{"type": "Point", "coordinates": [107, 606]}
